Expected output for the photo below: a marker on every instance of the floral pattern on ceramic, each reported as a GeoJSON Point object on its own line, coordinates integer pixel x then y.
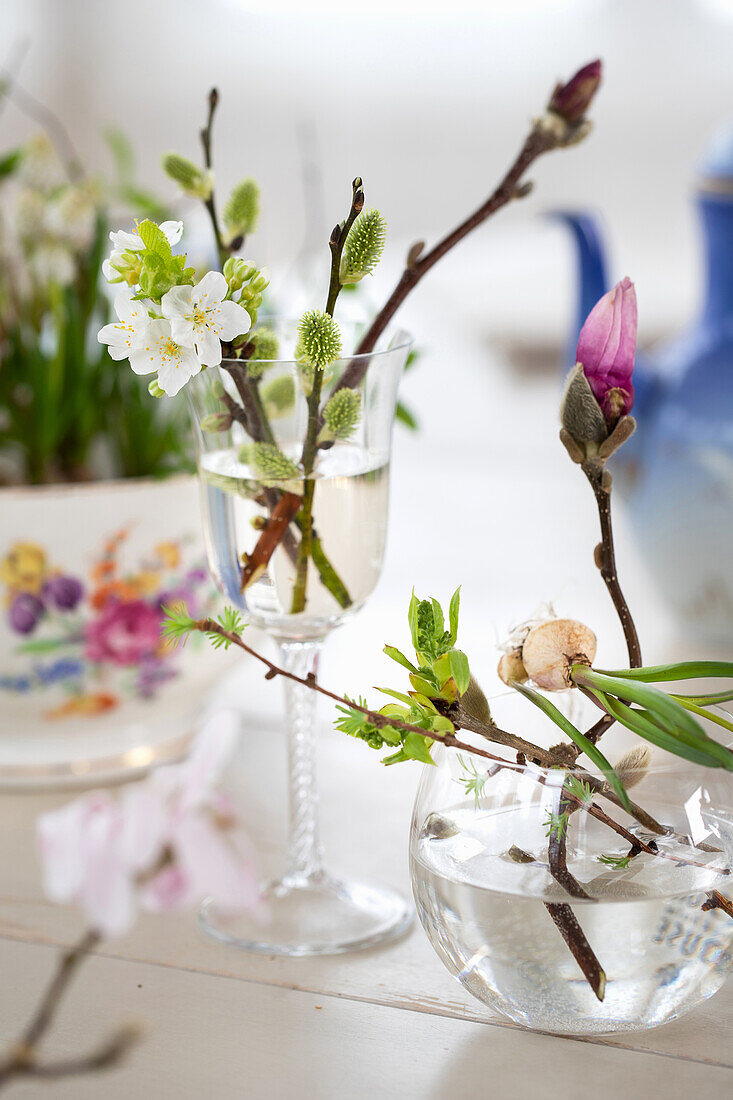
{"type": "Point", "coordinates": [98, 634]}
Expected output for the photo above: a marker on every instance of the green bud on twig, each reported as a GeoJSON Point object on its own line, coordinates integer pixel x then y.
{"type": "Point", "coordinates": [216, 422]}
{"type": "Point", "coordinates": [154, 389]}
{"type": "Point", "coordinates": [266, 344]}
{"type": "Point", "coordinates": [319, 340]}
{"type": "Point", "coordinates": [278, 396]}
{"type": "Point", "coordinates": [341, 415]}
{"type": "Point", "coordinates": [190, 178]}
{"type": "Point", "coordinates": [242, 209]}
{"type": "Point", "coordinates": [363, 247]}
{"type": "Point", "coordinates": [269, 462]}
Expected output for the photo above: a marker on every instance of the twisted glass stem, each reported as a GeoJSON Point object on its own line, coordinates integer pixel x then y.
{"type": "Point", "coordinates": [305, 856]}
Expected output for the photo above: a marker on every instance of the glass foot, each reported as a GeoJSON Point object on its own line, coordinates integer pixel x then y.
{"type": "Point", "coordinates": [316, 915]}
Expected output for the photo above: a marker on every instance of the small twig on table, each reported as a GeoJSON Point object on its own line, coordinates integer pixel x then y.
{"type": "Point", "coordinates": [22, 1059]}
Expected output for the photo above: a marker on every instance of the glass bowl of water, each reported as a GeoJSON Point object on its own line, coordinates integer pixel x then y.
{"type": "Point", "coordinates": [499, 919]}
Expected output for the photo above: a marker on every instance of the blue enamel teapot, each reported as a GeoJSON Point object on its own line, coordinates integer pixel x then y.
{"type": "Point", "coordinates": [677, 471]}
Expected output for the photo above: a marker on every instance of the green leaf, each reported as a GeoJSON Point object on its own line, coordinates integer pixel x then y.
{"type": "Point", "coordinates": [641, 723]}
{"type": "Point", "coordinates": [155, 240]}
{"type": "Point", "coordinates": [683, 670]}
{"type": "Point", "coordinates": [399, 695]}
{"type": "Point", "coordinates": [438, 621]}
{"type": "Point", "coordinates": [671, 714]}
{"type": "Point", "coordinates": [405, 416]}
{"type": "Point", "coordinates": [440, 724]}
{"type": "Point", "coordinates": [593, 753]}
{"type": "Point", "coordinates": [412, 620]}
{"type": "Point", "coordinates": [459, 669]}
{"type": "Point", "coordinates": [45, 645]}
{"type": "Point", "coordinates": [708, 700]}
{"type": "Point", "coordinates": [415, 747]}
{"type": "Point", "coordinates": [10, 162]}
{"type": "Point", "coordinates": [455, 603]}
{"type": "Point", "coordinates": [423, 686]}
{"type": "Point", "coordinates": [710, 715]}
{"type": "Point", "coordinates": [400, 658]}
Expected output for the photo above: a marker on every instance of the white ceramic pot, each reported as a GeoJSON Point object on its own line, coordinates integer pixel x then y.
{"type": "Point", "coordinates": [87, 689]}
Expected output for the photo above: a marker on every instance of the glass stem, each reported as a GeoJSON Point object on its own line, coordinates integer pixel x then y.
{"type": "Point", "coordinates": [305, 857]}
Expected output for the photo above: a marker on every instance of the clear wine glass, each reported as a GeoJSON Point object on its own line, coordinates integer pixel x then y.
{"type": "Point", "coordinates": [250, 422]}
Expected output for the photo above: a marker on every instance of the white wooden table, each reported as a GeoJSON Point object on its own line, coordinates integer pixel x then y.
{"type": "Point", "coordinates": [390, 1022]}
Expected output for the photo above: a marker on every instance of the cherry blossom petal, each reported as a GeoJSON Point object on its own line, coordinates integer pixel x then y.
{"type": "Point", "coordinates": [173, 231]}
{"type": "Point", "coordinates": [230, 320]}
{"type": "Point", "coordinates": [210, 290]}
{"type": "Point", "coordinates": [208, 347]}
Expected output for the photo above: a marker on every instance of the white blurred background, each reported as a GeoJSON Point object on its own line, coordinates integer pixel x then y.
{"type": "Point", "coordinates": [427, 101]}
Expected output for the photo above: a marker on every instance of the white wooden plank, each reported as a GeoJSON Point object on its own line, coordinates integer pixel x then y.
{"type": "Point", "coordinates": [223, 1038]}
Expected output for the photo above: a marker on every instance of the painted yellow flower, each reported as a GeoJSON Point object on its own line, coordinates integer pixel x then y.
{"type": "Point", "coordinates": [169, 554]}
{"type": "Point", "coordinates": [25, 567]}
{"type": "Point", "coordinates": [145, 583]}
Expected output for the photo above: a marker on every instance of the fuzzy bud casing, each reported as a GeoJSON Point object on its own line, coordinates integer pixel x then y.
{"type": "Point", "coordinates": [319, 339]}
{"type": "Point", "coordinates": [242, 210]}
{"type": "Point", "coordinates": [341, 414]}
{"type": "Point", "coordinates": [580, 413]}
{"type": "Point", "coordinates": [189, 177]}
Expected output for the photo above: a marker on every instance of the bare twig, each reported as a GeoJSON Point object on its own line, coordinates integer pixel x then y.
{"type": "Point", "coordinates": [606, 561]}
{"type": "Point", "coordinates": [210, 203]}
{"type": "Point", "coordinates": [582, 952]}
{"type": "Point", "coordinates": [538, 141]}
{"type": "Point", "coordinates": [22, 1061]}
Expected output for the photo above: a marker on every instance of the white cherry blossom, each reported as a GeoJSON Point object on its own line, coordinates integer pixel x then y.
{"type": "Point", "coordinates": [130, 331]}
{"type": "Point", "coordinates": [201, 318]}
{"type": "Point", "coordinates": [159, 352]}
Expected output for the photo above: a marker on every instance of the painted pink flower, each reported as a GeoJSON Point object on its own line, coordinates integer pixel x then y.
{"type": "Point", "coordinates": [165, 843]}
{"type": "Point", "coordinates": [606, 350]}
{"type": "Point", "coordinates": [123, 633]}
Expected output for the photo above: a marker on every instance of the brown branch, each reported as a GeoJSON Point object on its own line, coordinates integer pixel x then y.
{"type": "Point", "coordinates": [22, 1059]}
{"type": "Point", "coordinates": [539, 140]}
{"type": "Point", "coordinates": [210, 204]}
{"type": "Point", "coordinates": [606, 560]}
{"type": "Point", "coordinates": [716, 900]}
{"type": "Point", "coordinates": [272, 534]}
{"type": "Point", "coordinates": [574, 936]}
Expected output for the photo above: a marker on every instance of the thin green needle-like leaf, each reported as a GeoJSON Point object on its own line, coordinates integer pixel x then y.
{"type": "Point", "coordinates": [639, 722]}
{"type": "Point", "coordinates": [683, 670]}
{"type": "Point", "coordinates": [707, 700]}
{"type": "Point", "coordinates": [669, 712]}
{"type": "Point", "coordinates": [593, 753]}
{"type": "Point", "coordinates": [710, 715]}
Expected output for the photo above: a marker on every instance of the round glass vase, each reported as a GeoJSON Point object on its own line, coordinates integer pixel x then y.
{"type": "Point", "coordinates": [294, 508]}
{"type": "Point", "coordinates": [500, 920]}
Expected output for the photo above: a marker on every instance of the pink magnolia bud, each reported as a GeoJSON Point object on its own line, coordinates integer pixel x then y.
{"type": "Point", "coordinates": [573, 99]}
{"type": "Point", "coordinates": [606, 349]}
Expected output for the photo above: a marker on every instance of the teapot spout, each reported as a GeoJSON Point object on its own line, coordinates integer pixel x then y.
{"type": "Point", "coordinates": [592, 279]}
